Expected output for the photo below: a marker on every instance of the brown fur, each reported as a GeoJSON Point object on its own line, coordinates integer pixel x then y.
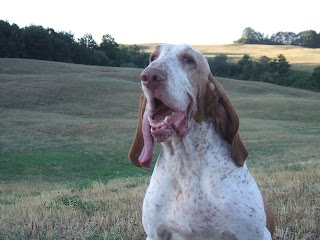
{"type": "Point", "coordinates": [213, 103]}
{"type": "Point", "coordinates": [138, 141]}
{"type": "Point", "coordinates": [271, 224]}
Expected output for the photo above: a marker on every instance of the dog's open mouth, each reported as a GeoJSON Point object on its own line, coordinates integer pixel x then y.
{"type": "Point", "coordinates": [158, 125]}
{"type": "Point", "coordinates": [161, 117]}
{"type": "Point", "coordinates": [165, 121]}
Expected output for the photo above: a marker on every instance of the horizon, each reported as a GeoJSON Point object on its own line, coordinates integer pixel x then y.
{"type": "Point", "coordinates": [139, 22]}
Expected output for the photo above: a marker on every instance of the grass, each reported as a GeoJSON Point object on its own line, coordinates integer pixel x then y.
{"type": "Point", "coordinates": [65, 131]}
{"type": "Point", "coordinates": [301, 59]}
{"type": "Point", "coordinates": [80, 115]}
{"type": "Point", "coordinates": [100, 211]}
{"type": "Point", "coordinates": [113, 210]}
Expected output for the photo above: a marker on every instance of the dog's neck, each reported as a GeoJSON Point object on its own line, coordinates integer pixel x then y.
{"type": "Point", "coordinates": [201, 147]}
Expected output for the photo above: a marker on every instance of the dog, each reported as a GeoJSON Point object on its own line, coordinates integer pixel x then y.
{"type": "Point", "coordinates": [200, 187]}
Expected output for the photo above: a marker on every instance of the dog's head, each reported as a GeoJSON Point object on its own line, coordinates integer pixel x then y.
{"type": "Point", "coordinates": [177, 86]}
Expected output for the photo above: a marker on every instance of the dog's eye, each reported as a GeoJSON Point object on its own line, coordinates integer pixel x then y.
{"type": "Point", "coordinates": [153, 57]}
{"type": "Point", "coordinates": [188, 60]}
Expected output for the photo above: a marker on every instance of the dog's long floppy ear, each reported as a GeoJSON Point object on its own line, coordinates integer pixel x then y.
{"type": "Point", "coordinates": [138, 141]}
{"type": "Point", "coordinates": [214, 102]}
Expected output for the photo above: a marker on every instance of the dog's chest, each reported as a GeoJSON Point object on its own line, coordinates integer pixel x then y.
{"type": "Point", "coordinates": [173, 209]}
{"type": "Point", "coordinates": [197, 192]}
{"type": "Point", "coordinates": [186, 203]}
{"type": "Point", "coordinates": [194, 209]}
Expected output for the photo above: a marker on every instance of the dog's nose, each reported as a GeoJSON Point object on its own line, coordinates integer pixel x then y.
{"type": "Point", "coordinates": [152, 77]}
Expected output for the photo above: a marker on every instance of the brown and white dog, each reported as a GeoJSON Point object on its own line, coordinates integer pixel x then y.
{"type": "Point", "coordinates": [200, 187]}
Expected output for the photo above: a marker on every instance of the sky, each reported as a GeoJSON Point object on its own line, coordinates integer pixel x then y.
{"type": "Point", "coordinates": [165, 21]}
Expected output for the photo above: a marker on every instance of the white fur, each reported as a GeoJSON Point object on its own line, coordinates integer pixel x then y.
{"type": "Point", "coordinates": [200, 193]}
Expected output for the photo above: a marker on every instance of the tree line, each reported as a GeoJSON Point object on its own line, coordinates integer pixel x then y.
{"type": "Point", "coordinates": [273, 70]}
{"type": "Point", "coordinates": [36, 42]}
{"type": "Point", "coordinates": [309, 38]}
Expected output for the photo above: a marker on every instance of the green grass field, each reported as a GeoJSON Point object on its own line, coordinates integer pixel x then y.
{"type": "Point", "coordinates": [65, 131]}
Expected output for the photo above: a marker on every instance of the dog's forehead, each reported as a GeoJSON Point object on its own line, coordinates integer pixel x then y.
{"type": "Point", "coordinates": [175, 50]}
{"type": "Point", "coordinates": [171, 53]}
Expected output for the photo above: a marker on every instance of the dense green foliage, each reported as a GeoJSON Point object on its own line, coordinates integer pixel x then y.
{"type": "Point", "coordinates": [273, 70]}
{"type": "Point", "coordinates": [309, 38]}
{"type": "Point", "coordinates": [36, 42]}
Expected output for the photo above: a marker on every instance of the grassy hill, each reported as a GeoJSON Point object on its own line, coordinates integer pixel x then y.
{"type": "Point", "coordinates": [65, 120]}
{"type": "Point", "coordinates": [65, 131]}
{"type": "Point", "coordinates": [303, 59]}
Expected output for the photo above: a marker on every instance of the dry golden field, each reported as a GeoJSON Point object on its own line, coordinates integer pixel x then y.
{"type": "Point", "coordinates": [113, 210]}
{"type": "Point", "coordinates": [65, 131]}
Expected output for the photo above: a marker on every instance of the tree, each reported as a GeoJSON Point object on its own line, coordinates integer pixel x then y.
{"type": "Point", "coordinates": [140, 59]}
{"type": "Point", "coordinates": [261, 67]}
{"type": "Point", "coordinates": [246, 66]}
{"type": "Point", "coordinates": [284, 38]}
{"type": "Point", "coordinates": [219, 65]}
{"type": "Point", "coordinates": [283, 67]}
{"type": "Point", "coordinates": [37, 42]}
{"type": "Point", "coordinates": [109, 46]}
{"type": "Point", "coordinates": [99, 58]}
{"type": "Point", "coordinates": [82, 54]}
{"type": "Point", "coordinates": [250, 36]}
{"type": "Point", "coordinates": [5, 35]}
{"type": "Point", "coordinates": [11, 43]}
{"type": "Point", "coordinates": [62, 46]}
{"type": "Point", "coordinates": [46, 44]}
{"type": "Point", "coordinates": [88, 41]}
{"type": "Point", "coordinates": [309, 39]}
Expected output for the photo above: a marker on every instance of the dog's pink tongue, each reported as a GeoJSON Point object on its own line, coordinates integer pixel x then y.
{"type": "Point", "coordinates": [146, 153]}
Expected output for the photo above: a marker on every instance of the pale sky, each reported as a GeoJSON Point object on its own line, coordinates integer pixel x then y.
{"type": "Point", "coordinates": [170, 21]}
